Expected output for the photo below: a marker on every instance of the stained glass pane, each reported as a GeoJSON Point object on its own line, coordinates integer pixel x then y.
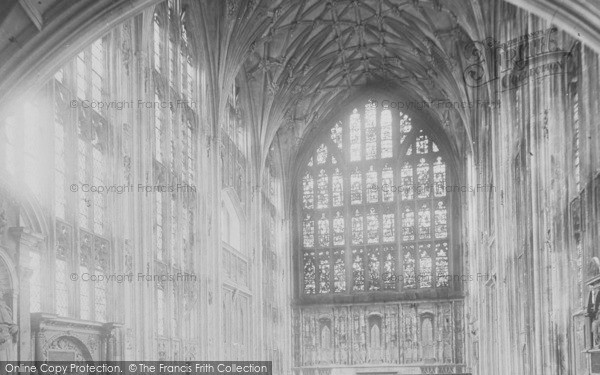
{"type": "Point", "coordinates": [408, 224]}
{"type": "Point", "coordinates": [386, 134]}
{"type": "Point", "coordinates": [61, 288]}
{"type": "Point", "coordinates": [357, 229]}
{"type": "Point", "coordinates": [322, 154]}
{"type": "Point", "coordinates": [322, 190]}
{"type": "Point", "coordinates": [425, 266]}
{"type": "Point", "coordinates": [423, 179]}
{"type": "Point", "coordinates": [324, 272]}
{"type": "Point", "coordinates": [356, 188]}
{"type": "Point", "coordinates": [324, 237]}
{"type": "Point", "coordinates": [388, 275]}
{"type": "Point", "coordinates": [370, 132]}
{"type": "Point", "coordinates": [405, 126]}
{"type": "Point", "coordinates": [372, 186]}
{"type": "Point", "coordinates": [409, 267]}
{"type": "Point", "coordinates": [434, 147]}
{"type": "Point", "coordinates": [85, 297]}
{"type": "Point", "coordinates": [336, 134]}
{"type": "Point", "coordinates": [355, 136]}
{"type": "Point", "coordinates": [309, 273]}
{"type": "Point", "coordinates": [374, 276]}
{"type": "Point", "coordinates": [99, 206]}
{"type": "Point", "coordinates": [387, 184]}
{"type": "Point", "coordinates": [441, 264]}
{"type": "Point", "coordinates": [338, 230]}
{"type": "Point", "coordinates": [422, 144]}
{"type": "Point", "coordinates": [372, 227]}
{"type": "Point", "coordinates": [100, 298]}
{"type": "Point", "coordinates": [337, 186]}
{"type": "Point", "coordinates": [310, 162]}
{"type": "Point", "coordinates": [308, 188]}
{"type": "Point", "coordinates": [339, 272]}
{"type": "Point", "coordinates": [440, 217]}
{"type": "Point", "coordinates": [389, 226]}
{"type": "Point", "coordinates": [309, 232]}
{"type": "Point", "coordinates": [406, 176]}
{"type": "Point", "coordinates": [84, 202]}
{"type": "Point", "coordinates": [60, 200]}
{"type": "Point", "coordinates": [358, 270]}
{"type": "Point", "coordinates": [439, 178]}
{"type": "Point", "coordinates": [424, 222]}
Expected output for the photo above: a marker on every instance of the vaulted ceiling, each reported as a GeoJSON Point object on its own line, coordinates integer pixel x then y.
{"type": "Point", "coordinates": [299, 60]}
{"type": "Point", "coordinates": [316, 55]}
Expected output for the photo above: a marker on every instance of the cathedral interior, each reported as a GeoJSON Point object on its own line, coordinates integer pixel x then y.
{"type": "Point", "coordinates": [339, 187]}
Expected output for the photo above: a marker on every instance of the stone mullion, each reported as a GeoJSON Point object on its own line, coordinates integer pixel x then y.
{"type": "Point", "coordinates": [147, 175]}
{"type": "Point", "coordinates": [329, 215]}
{"type": "Point", "coordinates": [397, 201]}
{"type": "Point", "coordinates": [115, 220]}
{"type": "Point", "coordinates": [73, 262]}
{"type": "Point", "coordinates": [346, 171]}
{"type": "Point", "coordinates": [48, 302]}
{"type": "Point", "coordinates": [414, 202]}
{"type": "Point", "coordinates": [432, 207]}
{"type": "Point", "coordinates": [414, 205]}
{"type": "Point", "coordinates": [316, 217]}
{"type": "Point", "coordinates": [363, 207]}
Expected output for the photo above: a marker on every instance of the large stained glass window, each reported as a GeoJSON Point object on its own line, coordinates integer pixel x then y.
{"type": "Point", "coordinates": [82, 215]}
{"type": "Point", "coordinates": [175, 160]}
{"type": "Point", "coordinates": [374, 207]}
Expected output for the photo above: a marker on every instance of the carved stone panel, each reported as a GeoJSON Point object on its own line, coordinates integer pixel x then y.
{"type": "Point", "coordinates": [379, 334]}
{"type": "Point", "coordinates": [67, 348]}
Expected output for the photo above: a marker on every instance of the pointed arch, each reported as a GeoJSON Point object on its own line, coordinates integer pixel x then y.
{"type": "Point", "coordinates": [375, 199]}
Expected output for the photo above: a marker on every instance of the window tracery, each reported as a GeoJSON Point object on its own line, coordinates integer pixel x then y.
{"type": "Point", "coordinates": [84, 218]}
{"type": "Point", "coordinates": [396, 179]}
{"type": "Point", "coordinates": [175, 162]}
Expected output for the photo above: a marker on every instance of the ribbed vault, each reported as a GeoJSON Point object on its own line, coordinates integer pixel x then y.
{"type": "Point", "coordinates": [315, 56]}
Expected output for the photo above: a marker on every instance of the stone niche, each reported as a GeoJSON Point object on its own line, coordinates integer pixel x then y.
{"type": "Point", "coordinates": [414, 334]}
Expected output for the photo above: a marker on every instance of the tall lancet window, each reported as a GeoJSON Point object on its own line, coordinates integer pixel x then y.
{"type": "Point", "coordinates": [175, 134]}
{"type": "Point", "coordinates": [374, 207]}
{"type": "Point", "coordinates": [79, 159]}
